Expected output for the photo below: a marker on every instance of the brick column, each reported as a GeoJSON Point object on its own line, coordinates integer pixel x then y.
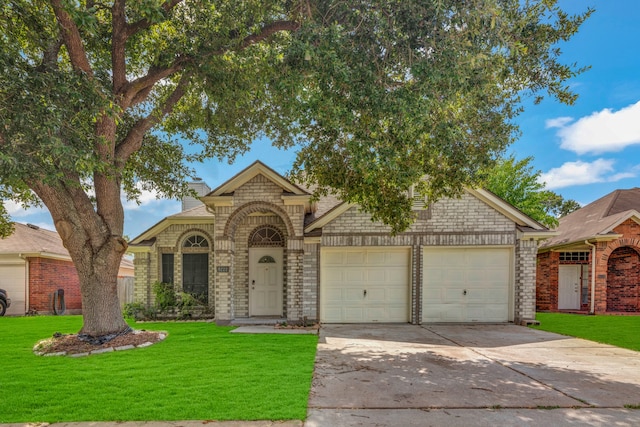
{"type": "Point", "coordinates": [295, 272]}
{"type": "Point", "coordinates": [525, 281]}
{"type": "Point", "coordinates": [223, 262]}
{"type": "Point", "coordinates": [310, 282]}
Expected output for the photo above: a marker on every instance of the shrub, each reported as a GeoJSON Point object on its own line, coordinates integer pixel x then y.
{"type": "Point", "coordinates": [165, 296]}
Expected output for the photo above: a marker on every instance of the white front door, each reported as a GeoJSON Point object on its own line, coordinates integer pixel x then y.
{"type": "Point", "coordinates": [265, 282]}
{"type": "Point", "coordinates": [569, 287]}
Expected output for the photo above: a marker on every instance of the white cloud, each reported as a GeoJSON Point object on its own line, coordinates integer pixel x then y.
{"type": "Point", "coordinates": [558, 122]}
{"type": "Point", "coordinates": [602, 131]}
{"type": "Point", "coordinates": [146, 198]}
{"type": "Point", "coordinates": [17, 211]}
{"type": "Point", "coordinates": [581, 173]}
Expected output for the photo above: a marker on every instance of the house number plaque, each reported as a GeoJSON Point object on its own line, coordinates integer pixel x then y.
{"type": "Point", "coordinates": [222, 269]}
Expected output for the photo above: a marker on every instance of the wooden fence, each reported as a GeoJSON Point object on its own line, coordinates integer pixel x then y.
{"type": "Point", "coordinates": [125, 290]}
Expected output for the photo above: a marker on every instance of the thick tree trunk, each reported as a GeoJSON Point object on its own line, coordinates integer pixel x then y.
{"type": "Point", "coordinates": [94, 240]}
{"type": "Point", "coordinates": [100, 305]}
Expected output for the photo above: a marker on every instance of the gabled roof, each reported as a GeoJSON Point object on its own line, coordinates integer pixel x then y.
{"type": "Point", "coordinates": [31, 240]}
{"type": "Point", "coordinates": [597, 219]}
{"type": "Point", "coordinates": [256, 168]}
{"type": "Point", "coordinates": [197, 215]}
{"type": "Point", "coordinates": [525, 224]}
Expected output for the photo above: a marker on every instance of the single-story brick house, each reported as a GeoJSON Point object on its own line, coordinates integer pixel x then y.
{"type": "Point", "coordinates": [606, 231]}
{"type": "Point", "coordinates": [259, 246]}
{"type": "Point", "coordinates": [34, 264]}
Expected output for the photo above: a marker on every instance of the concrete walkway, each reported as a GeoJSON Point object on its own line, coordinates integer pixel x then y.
{"type": "Point", "coordinates": [460, 375]}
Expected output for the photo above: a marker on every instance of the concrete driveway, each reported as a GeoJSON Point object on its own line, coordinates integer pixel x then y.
{"type": "Point", "coordinates": [408, 375]}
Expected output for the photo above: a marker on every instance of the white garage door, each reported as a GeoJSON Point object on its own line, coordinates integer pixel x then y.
{"type": "Point", "coordinates": [466, 284]}
{"type": "Point", "coordinates": [12, 279]}
{"type": "Point", "coordinates": [361, 285]}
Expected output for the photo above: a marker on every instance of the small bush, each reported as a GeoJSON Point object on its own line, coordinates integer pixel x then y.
{"type": "Point", "coordinates": [137, 311]}
{"type": "Point", "coordinates": [165, 296]}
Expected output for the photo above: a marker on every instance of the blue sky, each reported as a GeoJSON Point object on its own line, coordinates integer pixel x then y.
{"type": "Point", "coordinates": [584, 151]}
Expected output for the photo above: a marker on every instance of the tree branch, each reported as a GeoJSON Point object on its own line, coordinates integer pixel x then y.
{"type": "Point", "coordinates": [118, 44]}
{"type": "Point", "coordinates": [133, 141]}
{"type": "Point", "coordinates": [72, 39]}
{"type": "Point", "coordinates": [142, 24]}
{"type": "Point", "coordinates": [268, 31]}
{"type": "Point", "coordinates": [132, 90]}
{"type": "Point", "coordinates": [50, 56]}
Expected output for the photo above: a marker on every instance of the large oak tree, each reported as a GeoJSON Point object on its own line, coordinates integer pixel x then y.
{"type": "Point", "coordinates": [96, 97]}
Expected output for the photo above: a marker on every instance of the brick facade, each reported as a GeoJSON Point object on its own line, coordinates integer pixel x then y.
{"type": "Point", "coordinates": [260, 200]}
{"type": "Point", "coordinates": [48, 275]}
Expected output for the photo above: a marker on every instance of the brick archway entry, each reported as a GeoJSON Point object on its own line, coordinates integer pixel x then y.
{"type": "Point", "coordinates": [623, 280]}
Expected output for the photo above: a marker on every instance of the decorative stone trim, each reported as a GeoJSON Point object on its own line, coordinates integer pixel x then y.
{"type": "Point", "coordinates": [242, 212]}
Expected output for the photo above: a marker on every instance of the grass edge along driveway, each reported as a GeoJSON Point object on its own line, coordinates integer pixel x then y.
{"type": "Point", "coordinates": [199, 372]}
{"type": "Point", "coordinates": [621, 331]}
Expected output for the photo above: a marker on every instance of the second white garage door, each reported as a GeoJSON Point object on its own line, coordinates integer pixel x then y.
{"type": "Point", "coordinates": [466, 284]}
{"type": "Point", "coordinates": [363, 285]}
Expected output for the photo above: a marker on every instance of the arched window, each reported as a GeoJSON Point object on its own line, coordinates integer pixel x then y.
{"type": "Point", "coordinates": [266, 260]}
{"type": "Point", "coordinates": [196, 241]}
{"type": "Point", "coordinates": [266, 236]}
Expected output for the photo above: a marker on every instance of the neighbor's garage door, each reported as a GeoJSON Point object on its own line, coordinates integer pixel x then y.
{"type": "Point", "coordinates": [12, 279]}
{"type": "Point", "coordinates": [466, 284]}
{"type": "Point", "coordinates": [360, 285]}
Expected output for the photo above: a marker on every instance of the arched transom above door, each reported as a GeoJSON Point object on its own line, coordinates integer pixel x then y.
{"type": "Point", "coordinates": [266, 236]}
{"type": "Point", "coordinates": [252, 207]}
{"type": "Point", "coordinates": [195, 241]}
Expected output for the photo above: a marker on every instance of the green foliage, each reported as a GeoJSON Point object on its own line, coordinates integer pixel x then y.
{"type": "Point", "coordinates": [165, 296]}
{"type": "Point", "coordinates": [248, 377]}
{"type": "Point", "coordinates": [138, 311]}
{"type": "Point", "coordinates": [518, 183]}
{"type": "Point", "coordinates": [377, 94]}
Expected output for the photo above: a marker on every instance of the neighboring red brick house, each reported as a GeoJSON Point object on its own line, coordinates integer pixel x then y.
{"type": "Point", "coordinates": [34, 265]}
{"type": "Point", "coordinates": [607, 231]}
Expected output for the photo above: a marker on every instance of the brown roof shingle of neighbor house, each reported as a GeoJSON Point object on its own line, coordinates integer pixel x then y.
{"type": "Point", "coordinates": [28, 238]}
{"type": "Point", "coordinates": [598, 218]}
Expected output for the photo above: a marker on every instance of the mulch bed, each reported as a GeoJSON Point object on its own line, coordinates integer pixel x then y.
{"type": "Point", "coordinates": [69, 344]}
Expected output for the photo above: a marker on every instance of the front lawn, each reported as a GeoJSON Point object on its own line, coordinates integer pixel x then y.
{"type": "Point", "coordinates": [621, 331]}
{"type": "Point", "coordinates": [199, 372]}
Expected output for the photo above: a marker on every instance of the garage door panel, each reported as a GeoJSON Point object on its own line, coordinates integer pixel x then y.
{"type": "Point", "coordinates": [376, 295]}
{"type": "Point", "coordinates": [383, 273]}
{"type": "Point", "coordinates": [354, 258]}
{"type": "Point", "coordinates": [466, 284]}
{"type": "Point", "coordinates": [452, 295]}
{"type": "Point", "coordinates": [376, 258]}
{"type": "Point", "coordinates": [350, 295]}
{"type": "Point", "coordinates": [13, 281]}
{"type": "Point", "coordinates": [354, 276]}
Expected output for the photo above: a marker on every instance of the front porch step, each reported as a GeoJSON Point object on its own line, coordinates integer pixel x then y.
{"type": "Point", "coordinates": [246, 321]}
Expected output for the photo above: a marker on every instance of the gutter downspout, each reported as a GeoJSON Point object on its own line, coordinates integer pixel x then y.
{"type": "Point", "coordinates": [593, 277]}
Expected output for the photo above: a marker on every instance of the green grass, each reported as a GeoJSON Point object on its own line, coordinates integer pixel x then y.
{"type": "Point", "coordinates": [621, 331]}
{"type": "Point", "coordinates": [199, 372]}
